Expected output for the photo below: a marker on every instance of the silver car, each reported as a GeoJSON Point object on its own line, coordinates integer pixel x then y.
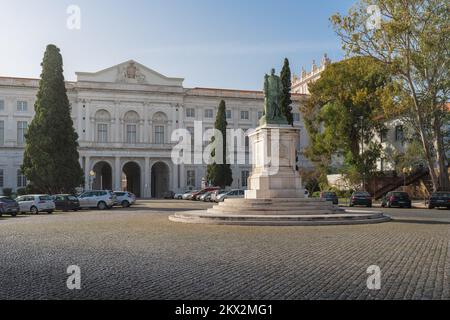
{"type": "Point", "coordinates": [124, 198]}
{"type": "Point", "coordinates": [233, 194]}
{"type": "Point", "coordinates": [101, 199]}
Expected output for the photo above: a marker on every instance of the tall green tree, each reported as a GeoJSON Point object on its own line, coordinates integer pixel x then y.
{"type": "Point", "coordinates": [220, 174]}
{"type": "Point", "coordinates": [342, 115]}
{"type": "Point", "coordinates": [286, 101]}
{"type": "Point", "coordinates": [412, 40]}
{"type": "Point", "coordinates": [51, 157]}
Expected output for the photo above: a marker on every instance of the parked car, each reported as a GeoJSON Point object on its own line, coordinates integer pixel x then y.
{"type": "Point", "coordinates": [36, 203]}
{"type": "Point", "coordinates": [361, 198]}
{"type": "Point", "coordinates": [179, 196]}
{"type": "Point", "coordinates": [168, 195]}
{"type": "Point", "coordinates": [217, 193]}
{"type": "Point", "coordinates": [206, 197]}
{"type": "Point", "coordinates": [101, 199]}
{"type": "Point", "coordinates": [196, 196]}
{"type": "Point", "coordinates": [66, 202]}
{"type": "Point", "coordinates": [396, 199]}
{"type": "Point", "coordinates": [8, 206]}
{"type": "Point", "coordinates": [439, 200]}
{"type": "Point", "coordinates": [189, 195]}
{"type": "Point", "coordinates": [233, 194]}
{"type": "Point", "coordinates": [124, 198]}
{"type": "Point", "coordinates": [330, 196]}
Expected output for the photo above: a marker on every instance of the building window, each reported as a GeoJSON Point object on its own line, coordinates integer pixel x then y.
{"type": "Point", "coordinates": [244, 115]}
{"type": "Point", "coordinates": [190, 178]}
{"type": "Point", "coordinates": [21, 179]}
{"type": "Point", "coordinates": [102, 132]}
{"type": "Point", "coordinates": [296, 117]}
{"type": "Point", "coordinates": [22, 106]}
{"type": "Point", "coordinates": [131, 133]}
{"type": "Point", "coordinates": [2, 178]}
{"type": "Point", "coordinates": [229, 114]}
{"type": "Point", "coordinates": [399, 133]}
{"type": "Point", "coordinates": [191, 132]}
{"type": "Point", "coordinates": [21, 131]}
{"type": "Point", "coordinates": [2, 105]}
{"type": "Point", "coordinates": [209, 113]}
{"type": "Point", "coordinates": [244, 175]}
{"type": "Point", "coordinates": [2, 132]}
{"type": "Point", "coordinates": [190, 113]}
{"type": "Point", "coordinates": [159, 134]}
{"type": "Point", "coordinates": [260, 114]}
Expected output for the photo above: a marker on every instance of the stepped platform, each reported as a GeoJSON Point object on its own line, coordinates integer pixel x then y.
{"type": "Point", "coordinates": [278, 212]}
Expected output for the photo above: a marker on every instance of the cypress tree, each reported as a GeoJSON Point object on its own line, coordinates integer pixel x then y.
{"type": "Point", "coordinates": [286, 101]}
{"type": "Point", "coordinates": [220, 174]}
{"type": "Point", "coordinates": [51, 156]}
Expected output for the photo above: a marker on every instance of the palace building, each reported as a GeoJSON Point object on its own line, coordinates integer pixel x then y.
{"type": "Point", "coordinates": [124, 117]}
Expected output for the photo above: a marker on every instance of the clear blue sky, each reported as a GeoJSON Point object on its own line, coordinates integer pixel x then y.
{"type": "Point", "coordinates": [211, 43]}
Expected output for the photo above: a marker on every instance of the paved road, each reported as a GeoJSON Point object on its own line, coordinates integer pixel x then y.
{"type": "Point", "coordinates": [138, 254]}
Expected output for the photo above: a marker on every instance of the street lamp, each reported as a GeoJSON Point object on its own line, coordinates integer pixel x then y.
{"type": "Point", "coordinates": [361, 118]}
{"type": "Point", "coordinates": [91, 178]}
{"type": "Point", "coordinates": [405, 172]}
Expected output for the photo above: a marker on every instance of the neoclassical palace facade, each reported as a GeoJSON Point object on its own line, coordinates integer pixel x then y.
{"type": "Point", "coordinates": [124, 116]}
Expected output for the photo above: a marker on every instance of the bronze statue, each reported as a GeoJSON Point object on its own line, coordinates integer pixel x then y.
{"type": "Point", "coordinates": [273, 90]}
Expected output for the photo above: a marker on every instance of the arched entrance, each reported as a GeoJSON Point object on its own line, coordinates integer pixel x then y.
{"type": "Point", "coordinates": [103, 176]}
{"type": "Point", "coordinates": [160, 179]}
{"type": "Point", "coordinates": [131, 178]}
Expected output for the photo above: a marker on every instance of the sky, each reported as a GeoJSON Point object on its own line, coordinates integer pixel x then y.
{"type": "Point", "coordinates": [211, 43]}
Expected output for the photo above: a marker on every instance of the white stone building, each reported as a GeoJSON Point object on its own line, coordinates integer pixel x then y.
{"type": "Point", "coordinates": [124, 116]}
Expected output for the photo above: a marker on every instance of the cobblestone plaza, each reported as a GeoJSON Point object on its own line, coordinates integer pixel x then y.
{"type": "Point", "coordinates": [138, 254]}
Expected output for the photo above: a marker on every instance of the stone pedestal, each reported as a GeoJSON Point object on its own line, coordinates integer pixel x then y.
{"type": "Point", "coordinates": [274, 172]}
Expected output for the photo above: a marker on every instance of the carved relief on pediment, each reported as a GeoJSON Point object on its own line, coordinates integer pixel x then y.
{"type": "Point", "coordinates": [130, 73]}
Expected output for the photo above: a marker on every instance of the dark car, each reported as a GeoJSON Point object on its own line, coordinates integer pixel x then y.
{"type": "Point", "coordinates": [396, 199]}
{"type": "Point", "coordinates": [439, 200]}
{"type": "Point", "coordinates": [330, 196]}
{"type": "Point", "coordinates": [66, 202]}
{"type": "Point", "coordinates": [8, 206]}
{"type": "Point", "coordinates": [361, 198]}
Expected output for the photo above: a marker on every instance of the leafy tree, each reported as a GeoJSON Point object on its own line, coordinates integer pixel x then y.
{"type": "Point", "coordinates": [286, 100]}
{"type": "Point", "coordinates": [412, 41]}
{"type": "Point", "coordinates": [220, 174]}
{"type": "Point", "coordinates": [51, 157]}
{"type": "Point", "coordinates": [341, 116]}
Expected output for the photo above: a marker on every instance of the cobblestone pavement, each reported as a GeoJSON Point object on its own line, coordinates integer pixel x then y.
{"type": "Point", "coordinates": [138, 254]}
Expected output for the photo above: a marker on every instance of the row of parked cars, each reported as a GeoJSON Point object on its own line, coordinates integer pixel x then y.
{"type": "Point", "coordinates": [34, 204]}
{"type": "Point", "coordinates": [212, 194]}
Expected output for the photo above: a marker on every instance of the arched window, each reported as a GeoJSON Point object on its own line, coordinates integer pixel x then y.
{"type": "Point", "coordinates": [131, 125]}
{"type": "Point", "coordinates": [102, 125]}
{"type": "Point", "coordinates": [159, 127]}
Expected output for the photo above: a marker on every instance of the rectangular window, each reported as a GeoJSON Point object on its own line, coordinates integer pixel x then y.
{"type": "Point", "coordinates": [244, 115]}
{"type": "Point", "coordinates": [209, 113]}
{"type": "Point", "coordinates": [383, 135]}
{"type": "Point", "coordinates": [2, 132]}
{"type": "Point", "coordinates": [131, 133]}
{"type": "Point", "coordinates": [102, 132]}
{"type": "Point", "coordinates": [399, 133]}
{"type": "Point", "coordinates": [191, 132]}
{"type": "Point", "coordinates": [190, 178]}
{"type": "Point", "coordinates": [159, 134]}
{"type": "Point", "coordinates": [229, 114]}
{"type": "Point", "coordinates": [22, 127]}
{"type": "Point", "coordinates": [22, 106]}
{"type": "Point", "coordinates": [244, 175]}
{"type": "Point", "coordinates": [2, 178]}
{"type": "Point", "coordinates": [21, 179]}
{"type": "Point", "coordinates": [296, 117]}
{"type": "Point", "coordinates": [2, 105]}
{"type": "Point", "coordinates": [190, 113]}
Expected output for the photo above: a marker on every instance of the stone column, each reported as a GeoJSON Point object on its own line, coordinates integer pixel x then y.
{"type": "Point", "coordinates": [147, 183]}
{"type": "Point", "coordinates": [87, 169]}
{"type": "Point", "coordinates": [117, 174]}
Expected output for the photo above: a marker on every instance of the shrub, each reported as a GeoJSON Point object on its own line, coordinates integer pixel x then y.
{"type": "Point", "coordinates": [21, 191]}
{"type": "Point", "coordinates": [7, 192]}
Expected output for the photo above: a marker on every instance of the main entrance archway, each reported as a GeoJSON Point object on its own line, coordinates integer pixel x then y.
{"type": "Point", "coordinates": [131, 178]}
{"type": "Point", "coordinates": [160, 179]}
{"type": "Point", "coordinates": [103, 176]}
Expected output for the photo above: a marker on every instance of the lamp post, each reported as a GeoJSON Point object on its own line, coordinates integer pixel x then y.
{"type": "Point", "coordinates": [405, 172]}
{"type": "Point", "coordinates": [361, 118]}
{"type": "Point", "coordinates": [91, 178]}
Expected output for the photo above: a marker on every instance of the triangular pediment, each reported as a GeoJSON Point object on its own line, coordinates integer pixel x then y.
{"type": "Point", "coordinates": [130, 72]}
